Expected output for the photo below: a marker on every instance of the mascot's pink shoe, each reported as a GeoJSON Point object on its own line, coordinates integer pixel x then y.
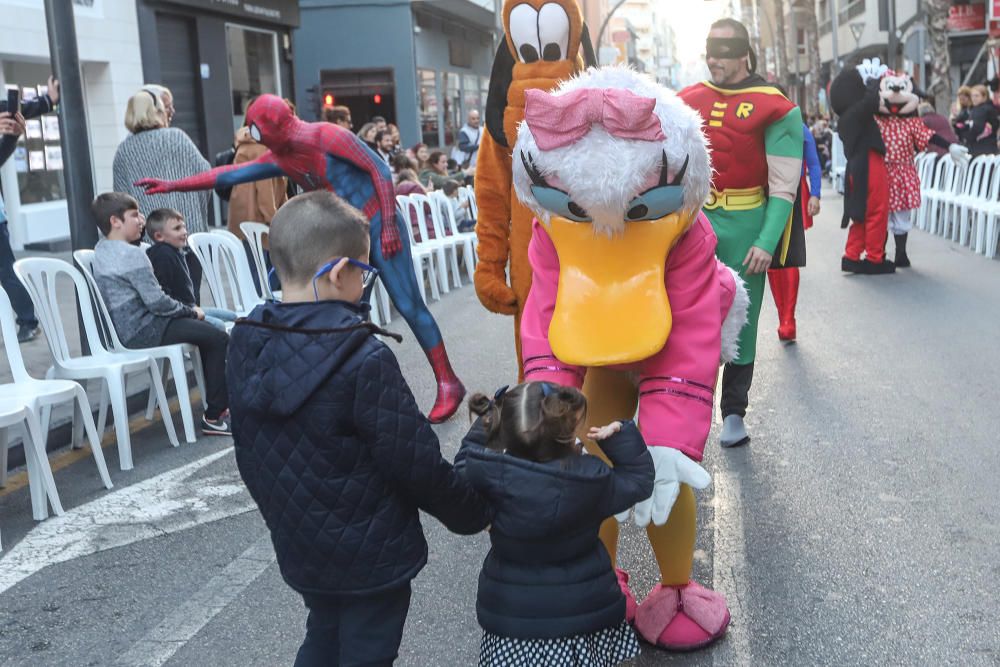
{"type": "Point", "coordinates": [682, 618]}
{"type": "Point", "coordinates": [630, 605]}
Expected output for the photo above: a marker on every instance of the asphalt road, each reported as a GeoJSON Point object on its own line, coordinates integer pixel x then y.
{"type": "Point", "coordinates": [859, 527]}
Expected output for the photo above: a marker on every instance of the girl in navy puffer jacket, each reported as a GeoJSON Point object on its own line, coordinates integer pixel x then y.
{"type": "Point", "coordinates": [548, 594]}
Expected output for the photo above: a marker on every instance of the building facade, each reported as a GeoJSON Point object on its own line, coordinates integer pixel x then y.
{"type": "Point", "coordinates": [422, 65]}
{"type": "Point", "coordinates": [215, 56]}
{"type": "Point", "coordinates": [108, 43]}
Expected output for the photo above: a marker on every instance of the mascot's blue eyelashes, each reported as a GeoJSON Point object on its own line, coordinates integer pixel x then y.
{"type": "Point", "coordinates": [657, 202]}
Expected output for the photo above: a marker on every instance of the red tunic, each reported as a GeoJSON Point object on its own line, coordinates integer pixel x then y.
{"type": "Point", "coordinates": [903, 137]}
{"type": "Point", "coordinates": [735, 121]}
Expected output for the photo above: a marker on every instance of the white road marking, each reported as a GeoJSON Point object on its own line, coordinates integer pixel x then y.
{"type": "Point", "coordinates": [160, 505]}
{"type": "Point", "coordinates": [163, 641]}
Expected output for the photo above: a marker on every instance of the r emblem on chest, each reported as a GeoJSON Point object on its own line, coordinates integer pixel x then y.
{"type": "Point", "coordinates": [744, 110]}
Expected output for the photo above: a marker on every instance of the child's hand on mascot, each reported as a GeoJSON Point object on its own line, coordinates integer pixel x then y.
{"type": "Point", "coordinates": [673, 468]}
{"type": "Point", "coordinates": [598, 433]}
{"type": "Point", "coordinates": [492, 288]}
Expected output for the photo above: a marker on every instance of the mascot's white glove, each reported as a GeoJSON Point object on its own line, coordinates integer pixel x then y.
{"type": "Point", "coordinates": [871, 69]}
{"type": "Point", "coordinates": [673, 468]}
{"type": "Point", "coordinates": [958, 153]}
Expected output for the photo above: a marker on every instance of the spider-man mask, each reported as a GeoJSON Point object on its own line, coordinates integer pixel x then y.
{"type": "Point", "coordinates": [270, 121]}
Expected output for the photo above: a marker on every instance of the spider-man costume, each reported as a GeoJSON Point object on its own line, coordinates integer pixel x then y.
{"type": "Point", "coordinates": [323, 155]}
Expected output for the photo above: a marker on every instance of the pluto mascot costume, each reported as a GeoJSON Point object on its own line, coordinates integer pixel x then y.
{"type": "Point", "coordinates": [627, 290]}
{"type": "Point", "coordinates": [545, 41]}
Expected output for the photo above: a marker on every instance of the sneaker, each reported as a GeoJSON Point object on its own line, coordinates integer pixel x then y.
{"type": "Point", "coordinates": [220, 426]}
{"type": "Point", "coordinates": [26, 333]}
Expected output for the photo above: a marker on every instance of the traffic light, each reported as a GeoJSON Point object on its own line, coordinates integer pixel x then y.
{"type": "Point", "coordinates": [328, 99]}
{"type": "Point", "coordinates": [378, 98]}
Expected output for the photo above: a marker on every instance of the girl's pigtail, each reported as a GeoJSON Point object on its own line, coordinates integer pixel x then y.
{"type": "Point", "coordinates": [482, 406]}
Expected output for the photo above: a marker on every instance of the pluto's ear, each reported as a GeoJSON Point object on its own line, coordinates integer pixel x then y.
{"type": "Point", "coordinates": [496, 99]}
{"type": "Point", "coordinates": [589, 57]}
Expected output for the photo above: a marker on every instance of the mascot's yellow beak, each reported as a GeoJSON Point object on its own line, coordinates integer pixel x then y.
{"type": "Point", "coordinates": [611, 305]}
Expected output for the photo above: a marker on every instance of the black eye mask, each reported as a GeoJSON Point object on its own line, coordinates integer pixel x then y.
{"type": "Point", "coordinates": [726, 47]}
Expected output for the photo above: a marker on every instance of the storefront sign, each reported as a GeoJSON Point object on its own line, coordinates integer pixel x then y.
{"type": "Point", "coordinates": [964, 18]}
{"type": "Point", "coordinates": [283, 12]}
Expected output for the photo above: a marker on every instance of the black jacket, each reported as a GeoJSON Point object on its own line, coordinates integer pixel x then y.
{"type": "Point", "coordinates": [179, 273]}
{"type": "Point", "coordinates": [547, 574]}
{"type": "Point", "coordinates": [974, 131]}
{"type": "Point", "coordinates": [333, 449]}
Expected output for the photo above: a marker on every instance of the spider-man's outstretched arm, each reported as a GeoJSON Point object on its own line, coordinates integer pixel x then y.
{"type": "Point", "coordinates": [342, 144]}
{"type": "Point", "coordinates": [227, 176]}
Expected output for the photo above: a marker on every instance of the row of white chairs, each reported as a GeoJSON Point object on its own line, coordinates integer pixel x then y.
{"type": "Point", "coordinates": [434, 257]}
{"type": "Point", "coordinates": [961, 201]}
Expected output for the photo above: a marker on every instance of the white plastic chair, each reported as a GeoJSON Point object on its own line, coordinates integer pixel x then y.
{"type": "Point", "coordinates": [467, 240]}
{"type": "Point", "coordinates": [926, 162]}
{"type": "Point", "coordinates": [226, 269]}
{"type": "Point", "coordinates": [470, 194]}
{"type": "Point", "coordinates": [423, 254]}
{"type": "Point", "coordinates": [255, 233]}
{"type": "Point", "coordinates": [43, 491]}
{"type": "Point", "coordinates": [40, 276]}
{"type": "Point", "coordinates": [970, 203]}
{"type": "Point", "coordinates": [444, 247]}
{"type": "Point", "coordinates": [967, 195]}
{"type": "Point", "coordinates": [175, 354]}
{"type": "Point", "coordinates": [931, 194]}
{"type": "Point", "coordinates": [34, 396]}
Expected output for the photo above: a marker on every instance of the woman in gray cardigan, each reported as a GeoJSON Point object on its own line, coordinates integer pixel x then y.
{"type": "Point", "coordinates": [158, 151]}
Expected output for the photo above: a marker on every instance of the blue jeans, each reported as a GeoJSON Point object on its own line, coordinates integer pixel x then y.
{"type": "Point", "coordinates": [218, 317]}
{"type": "Point", "coordinates": [19, 298]}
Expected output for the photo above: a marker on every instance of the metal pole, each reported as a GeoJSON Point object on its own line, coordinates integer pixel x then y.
{"type": "Point", "coordinates": [77, 170]}
{"type": "Point", "coordinates": [834, 29]}
{"type": "Point", "coordinates": [893, 45]}
{"type": "Point", "coordinates": [605, 25]}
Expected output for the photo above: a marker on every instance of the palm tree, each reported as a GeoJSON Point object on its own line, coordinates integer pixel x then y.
{"type": "Point", "coordinates": [937, 36]}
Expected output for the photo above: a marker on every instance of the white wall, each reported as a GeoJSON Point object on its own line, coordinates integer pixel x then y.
{"type": "Point", "coordinates": [108, 43]}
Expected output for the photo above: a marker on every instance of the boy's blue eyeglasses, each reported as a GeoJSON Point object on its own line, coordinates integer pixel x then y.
{"type": "Point", "coordinates": [368, 273]}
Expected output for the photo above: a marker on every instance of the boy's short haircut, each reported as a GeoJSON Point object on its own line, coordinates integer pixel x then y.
{"type": "Point", "coordinates": [158, 219]}
{"type": "Point", "coordinates": [312, 228]}
{"type": "Point", "coordinates": [451, 186]}
{"type": "Point", "coordinates": [111, 204]}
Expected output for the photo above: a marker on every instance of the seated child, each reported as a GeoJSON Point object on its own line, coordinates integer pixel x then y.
{"type": "Point", "coordinates": [459, 206]}
{"type": "Point", "coordinates": [175, 265]}
{"type": "Point", "coordinates": [331, 444]}
{"type": "Point", "coordinates": [548, 594]}
{"type": "Point", "coordinates": [146, 317]}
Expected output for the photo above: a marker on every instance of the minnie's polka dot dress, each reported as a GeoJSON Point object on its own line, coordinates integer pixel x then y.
{"type": "Point", "coordinates": [903, 137]}
{"type": "Point", "coordinates": [604, 648]}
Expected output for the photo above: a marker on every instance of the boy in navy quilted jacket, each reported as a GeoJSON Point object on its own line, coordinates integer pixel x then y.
{"type": "Point", "coordinates": [548, 594]}
{"type": "Point", "coordinates": [330, 442]}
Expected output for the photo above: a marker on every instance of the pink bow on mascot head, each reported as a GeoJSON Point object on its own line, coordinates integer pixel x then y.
{"type": "Point", "coordinates": [561, 120]}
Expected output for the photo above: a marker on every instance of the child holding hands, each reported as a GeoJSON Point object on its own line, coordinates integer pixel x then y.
{"type": "Point", "coordinates": [548, 594]}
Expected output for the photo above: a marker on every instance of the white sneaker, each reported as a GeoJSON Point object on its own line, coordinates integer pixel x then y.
{"type": "Point", "coordinates": [734, 433]}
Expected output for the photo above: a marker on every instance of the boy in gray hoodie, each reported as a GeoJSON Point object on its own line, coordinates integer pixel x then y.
{"type": "Point", "coordinates": [143, 315]}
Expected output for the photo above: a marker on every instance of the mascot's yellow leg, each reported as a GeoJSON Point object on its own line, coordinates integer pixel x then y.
{"type": "Point", "coordinates": [610, 396]}
{"type": "Point", "coordinates": [673, 542]}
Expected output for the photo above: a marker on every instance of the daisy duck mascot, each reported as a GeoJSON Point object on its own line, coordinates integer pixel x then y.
{"type": "Point", "coordinates": [904, 134]}
{"type": "Point", "coordinates": [326, 156]}
{"type": "Point", "coordinates": [627, 293]}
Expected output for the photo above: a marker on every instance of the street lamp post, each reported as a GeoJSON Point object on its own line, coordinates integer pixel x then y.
{"type": "Point", "coordinates": [77, 170]}
{"type": "Point", "coordinates": [604, 25]}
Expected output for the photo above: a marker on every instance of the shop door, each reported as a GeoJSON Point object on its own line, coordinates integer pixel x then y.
{"type": "Point", "coordinates": [179, 68]}
{"type": "Point", "coordinates": [366, 93]}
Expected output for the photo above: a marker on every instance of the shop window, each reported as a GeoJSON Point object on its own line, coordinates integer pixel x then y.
{"type": "Point", "coordinates": [253, 67]}
{"type": "Point", "coordinates": [427, 85]}
{"type": "Point", "coordinates": [470, 95]}
{"type": "Point", "coordinates": [38, 155]}
{"type": "Point", "coordinates": [452, 107]}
